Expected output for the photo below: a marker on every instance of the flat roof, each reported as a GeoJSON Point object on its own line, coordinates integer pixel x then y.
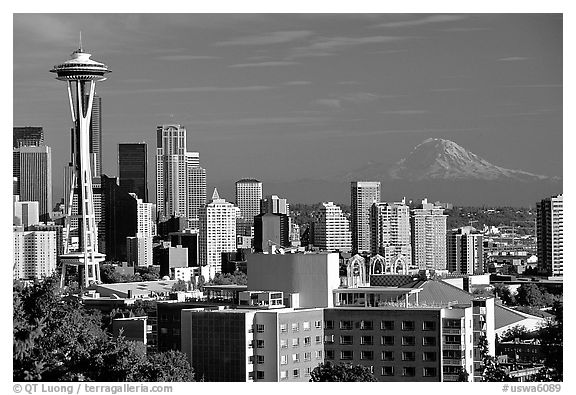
{"type": "Point", "coordinates": [151, 286]}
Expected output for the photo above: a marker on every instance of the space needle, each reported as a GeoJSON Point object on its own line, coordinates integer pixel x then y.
{"type": "Point", "coordinates": [81, 73]}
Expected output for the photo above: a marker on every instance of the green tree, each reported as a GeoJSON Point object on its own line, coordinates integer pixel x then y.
{"type": "Point", "coordinates": [517, 332]}
{"type": "Point", "coordinates": [166, 366]}
{"type": "Point", "coordinates": [492, 371]}
{"type": "Point", "coordinates": [529, 295]}
{"type": "Point", "coordinates": [328, 371]}
{"type": "Point", "coordinates": [180, 286]}
{"type": "Point", "coordinates": [504, 293]}
{"type": "Point", "coordinates": [551, 345]}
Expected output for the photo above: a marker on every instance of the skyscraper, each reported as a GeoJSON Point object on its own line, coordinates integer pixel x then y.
{"type": "Point", "coordinates": [133, 168]}
{"type": "Point", "coordinates": [248, 196]}
{"type": "Point", "coordinates": [96, 137]}
{"type": "Point", "coordinates": [428, 228]}
{"type": "Point", "coordinates": [120, 218]}
{"type": "Point", "coordinates": [273, 229]}
{"type": "Point", "coordinates": [34, 254]}
{"type": "Point", "coordinates": [465, 252]}
{"type": "Point", "coordinates": [550, 229]}
{"type": "Point", "coordinates": [272, 204]}
{"type": "Point", "coordinates": [217, 234]}
{"type": "Point", "coordinates": [362, 195]}
{"type": "Point", "coordinates": [390, 232]}
{"type": "Point", "coordinates": [196, 188]}
{"type": "Point", "coordinates": [25, 214]}
{"type": "Point", "coordinates": [171, 180]}
{"type": "Point", "coordinates": [27, 136]}
{"type": "Point", "coordinates": [332, 229]}
{"type": "Point", "coordinates": [35, 177]}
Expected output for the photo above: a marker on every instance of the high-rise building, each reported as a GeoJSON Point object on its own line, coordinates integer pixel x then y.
{"type": "Point", "coordinates": [332, 229]}
{"type": "Point", "coordinates": [96, 137]}
{"type": "Point", "coordinates": [171, 180]}
{"type": "Point", "coordinates": [464, 248]}
{"type": "Point", "coordinates": [217, 234]}
{"type": "Point", "coordinates": [390, 233]}
{"type": "Point", "coordinates": [248, 196]}
{"type": "Point", "coordinates": [28, 136]}
{"type": "Point", "coordinates": [272, 204]}
{"type": "Point", "coordinates": [139, 251]}
{"type": "Point", "coordinates": [133, 168]}
{"type": "Point", "coordinates": [35, 176]}
{"type": "Point", "coordinates": [362, 195]}
{"type": "Point", "coordinates": [428, 232]}
{"type": "Point", "coordinates": [271, 230]}
{"type": "Point", "coordinates": [26, 214]}
{"type": "Point", "coordinates": [550, 229]}
{"type": "Point", "coordinates": [34, 254]}
{"type": "Point", "coordinates": [196, 189]}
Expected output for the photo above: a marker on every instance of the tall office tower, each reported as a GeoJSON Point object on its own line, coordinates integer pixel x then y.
{"type": "Point", "coordinates": [390, 232]}
{"type": "Point", "coordinates": [332, 229]}
{"type": "Point", "coordinates": [171, 180]}
{"type": "Point", "coordinates": [363, 195]}
{"type": "Point", "coordinates": [272, 204]}
{"type": "Point", "coordinates": [465, 252]}
{"type": "Point", "coordinates": [271, 230]}
{"type": "Point", "coordinates": [133, 168]}
{"type": "Point", "coordinates": [27, 136]}
{"type": "Point", "coordinates": [248, 196]}
{"type": "Point", "coordinates": [196, 178]}
{"type": "Point", "coordinates": [35, 176]}
{"type": "Point", "coordinates": [96, 137]}
{"type": "Point", "coordinates": [139, 245]}
{"type": "Point", "coordinates": [217, 234]}
{"type": "Point", "coordinates": [34, 254]}
{"type": "Point", "coordinates": [145, 226]}
{"type": "Point", "coordinates": [428, 228]}
{"type": "Point", "coordinates": [26, 214]}
{"type": "Point", "coordinates": [550, 229]}
{"type": "Point", "coordinates": [81, 73]}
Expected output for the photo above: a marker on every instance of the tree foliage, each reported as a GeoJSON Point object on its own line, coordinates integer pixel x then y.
{"type": "Point", "coordinates": [492, 371]}
{"type": "Point", "coordinates": [517, 332]}
{"type": "Point", "coordinates": [503, 292]}
{"type": "Point", "coordinates": [329, 372]}
{"type": "Point", "coordinates": [552, 345]}
{"type": "Point", "coordinates": [56, 339]}
{"type": "Point", "coordinates": [238, 278]}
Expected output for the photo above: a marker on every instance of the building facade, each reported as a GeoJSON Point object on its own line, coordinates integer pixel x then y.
{"type": "Point", "coordinates": [248, 196]}
{"type": "Point", "coordinates": [35, 176]}
{"type": "Point", "coordinates": [465, 251]}
{"type": "Point", "coordinates": [390, 232]}
{"type": "Point", "coordinates": [171, 180]}
{"type": "Point", "coordinates": [95, 133]}
{"type": "Point", "coordinates": [26, 214]}
{"type": "Point", "coordinates": [428, 232]}
{"type": "Point", "coordinates": [196, 178]}
{"type": "Point", "coordinates": [35, 254]}
{"type": "Point", "coordinates": [362, 195]}
{"type": "Point", "coordinates": [550, 229]}
{"type": "Point", "coordinates": [133, 168]}
{"type": "Point", "coordinates": [272, 204]}
{"type": "Point", "coordinates": [271, 230]}
{"type": "Point", "coordinates": [332, 229]}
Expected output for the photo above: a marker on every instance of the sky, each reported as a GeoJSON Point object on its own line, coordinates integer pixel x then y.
{"type": "Point", "coordinates": [283, 97]}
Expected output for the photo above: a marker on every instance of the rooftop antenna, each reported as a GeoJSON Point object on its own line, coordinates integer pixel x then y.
{"type": "Point", "coordinates": [80, 45]}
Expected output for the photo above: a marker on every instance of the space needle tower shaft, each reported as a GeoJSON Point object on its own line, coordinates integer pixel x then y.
{"type": "Point", "coordinates": [81, 73]}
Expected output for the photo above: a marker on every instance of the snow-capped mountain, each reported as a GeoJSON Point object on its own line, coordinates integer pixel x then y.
{"type": "Point", "coordinates": [439, 159]}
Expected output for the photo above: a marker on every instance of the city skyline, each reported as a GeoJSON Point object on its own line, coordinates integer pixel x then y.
{"type": "Point", "coordinates": [288, 97]}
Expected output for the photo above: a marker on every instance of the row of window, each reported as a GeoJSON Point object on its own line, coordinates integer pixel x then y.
{"type": "Point", "coordinates": [384, 325]}
{"type": "Point", "coordinates": [384, 340]}
{"type": "Point", "coordinates": [409, 371]}
{"type": "Point", "coordinates": [295, 373]}
{"type": "Point", "coordinates": [295, 326]}
{"type": "Point", "coordinates": [368, 355]}
{"type": "Point", "coordinates": [296, 357]}
{"type": "Point", "coordinates": [296, 341]}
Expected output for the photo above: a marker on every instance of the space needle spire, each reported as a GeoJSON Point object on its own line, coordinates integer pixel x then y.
{"type": "Point", "coordinates": [81, 73]}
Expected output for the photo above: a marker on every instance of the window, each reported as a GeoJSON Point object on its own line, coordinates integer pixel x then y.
{"type": "Point", "coordinates": [408, 340]}
{"type": "Point", "coordinates": [329, 339]}
{"type": "Point", "coordinates": [429, 372]}
{"type": "Point", "coordinates": [307, 341]}
{"type": "Point", "coordinates": [307, 356]}
{"type": "Point", "coordinates": [259, 359]}
{"type": "Point", "coordinates": [346, 355]}
{"type": "Point", "coordinates": [367, 340]}
{"type": "Point", "coordinates": [346, 325]}
{"type": "Point", "coordinates": [295, 357]}
{"type": "Point", "coordinates": [387, 340]}
{"type": "Point", "coordinates": [296, 373]}
{"type": "Point", "coordinates": [387, 325]}
{"type": "Point", "coordinates": [329, 324]}
{"type": "Point", "coordinates": [283, 374]}
{"type": "Point", "coordinates": [283, 343]}
{"type": "Point", "coordinates": [387, 370]}
{"type": "Point", "coordinates": [295, 327]}
{"type": "Point", "coordinates": [452, 339]}
{"type": "Point", "coordinates": [329, 354]}
{"type": "Point", "coordinates": [318, 339]}
{"type": "Point", "coordinates": [259, 343]}
{"type": "Point", "coordinates": [306, 325]}
{"type": "Point", "coordinates": [283, 359]}
{"type": "Point", "coordinates": [308, 371]}
{"type": "Point", "coordinates": [408, 356]}
{"type": "Point", "coordinates": [367, 355]}
{"type": "Point", "coordinates": [428, 341]}
{"type": "Point", "coordinates": [407, 325]}
{"type": "Point", "coordinates": [429, 326]}
{"type": "Point", "coordinates": [318, 354]}
{"type": "Point", "coordinates": [346, 339]}
{"type": "Point", "coordinates": [259, 328]}
{"type": "Point", "coordinates": [429, 356]}
{"type": "Point", "coordinates": [295, 342]}
{"type": "Point", "coordinates": [259, 375]}
{"type": "Point", "coordinates": [366, 325]}
{"type": "Point", "coordinates": [283, 328]}
{"type": "Point", "coordinates": [387, 355]}
{"type": "Point", "coordinates": [318, 324]}
{"type": "Point", "coordinates": [251, 359]}
{"type": "Point", "coordinates": [409, 371]}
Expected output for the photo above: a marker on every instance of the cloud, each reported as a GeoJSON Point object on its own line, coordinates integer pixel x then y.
{"type": "Point", "coordinates": [254, 121]}
{"type": "Point", "coordinates": [512, 59]}
{"type": "Point", "coordinates": [357, 98]}
{"type": "Point", "coordinates": [326, 46]}
{"type": "Point", "coordinates": [265, 64]}
{"type": "Point", "coordinates": [193, 89]}
{"type": "Point", "coordinates": [186, 57]}
{"type": "Point", "coordinates": [431, 19]}
{"type": "Point", "coordinates": [267, 38]}
{"type": "Point", "coordinates": [296, 83]}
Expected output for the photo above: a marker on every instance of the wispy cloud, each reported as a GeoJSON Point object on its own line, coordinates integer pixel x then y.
{"type": "Point", "coordinates": [265, 64]}
{"type": "Point", "coordinates": [187, 57]}
{"type": "Point", "coordinates": [512, 59]}
{"type": "Point", "coordinates": [296, 83]}
{"type": "Point", "coordinates": [357, 98]}
{"type": "Point", "coordinates": [267, 38]}
{"type": "Point", "coordinates": [532, 86]}
{"type": "Point", "coordinates": [193, 89]}
{"type": "Point", "coordinates": [431, 19]}
{"type": "Point", "coordinates": [326, 46]}
{"type": "Point", "coordinates": [254, 121]}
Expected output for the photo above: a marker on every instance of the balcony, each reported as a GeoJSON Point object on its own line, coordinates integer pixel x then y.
{"type": "Point", "coordinates": [453, 346]}
{"type": "Point", "coordinates": [454, 362]}
{"type": "Point", "coordinates": [450, 377]}
{"type": "Point", "coordinates": [451, 331]}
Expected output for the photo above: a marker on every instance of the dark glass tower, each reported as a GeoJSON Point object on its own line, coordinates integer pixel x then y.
{"type": "Point", "coordinates": [133, 168]}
